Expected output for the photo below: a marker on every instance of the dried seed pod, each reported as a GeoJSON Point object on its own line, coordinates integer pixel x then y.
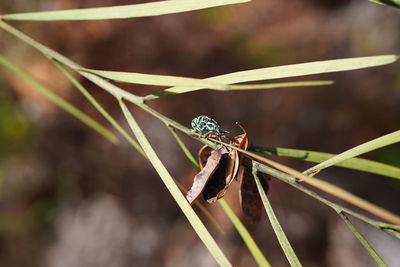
{"type": "Point", "coordinates": [220, 181]}
{"type": "Point", "coordinates": [219, 168]}
{"type": "Point", "coordinates": [249, 196]}
{"type": "Point", "coordinates": [207, 171]}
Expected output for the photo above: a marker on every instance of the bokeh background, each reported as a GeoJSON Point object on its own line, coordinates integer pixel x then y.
{"type": "Point", "coordinates": [70, 198]}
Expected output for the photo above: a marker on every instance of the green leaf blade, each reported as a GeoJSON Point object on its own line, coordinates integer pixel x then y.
{"type": "Point", "coordinates": [293, 70]}
{"type": "Point", "coordinates": [122, 12]}
{"type": "Point", "coordinates": [315, 156]}
{"type": "Point", "coordinates": [358, 150]}
{"type": "Point", "coordinates": [308, 68]}
{"type": "Point", "coordinates": [157, 80]}
{"type": "Point", "coordinates": [277, 85]}
{"type": "Point", "coordinates": [239, 87]}
{"type": "Point", "coordinates": [280, 234]}
{"type": "Point", "coordinates": [363, 241]}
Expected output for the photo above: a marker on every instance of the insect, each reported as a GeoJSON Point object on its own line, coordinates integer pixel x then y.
{"type": "Point", "coordinates": [206, 126]}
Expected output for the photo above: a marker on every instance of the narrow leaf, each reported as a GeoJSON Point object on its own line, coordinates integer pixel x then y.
{"type": "Point", "coordinates": [165, 80]}
{"type": "Point", "coordinates": [122, 12]}
{"type": "Point", "coordinates": [277, 85]}
{"type": "Point", "coordinates": [59, 101]}
{"type": "Point", "coordinates": [363, 241]}
{"type": "Point", "coordinates": [358, 150]}
{"type": "Point", "coordinates": [157, 80]}
{"type": "Point", "coordinates": [280, 234]}
{"type": "Point", "coordinates": [286, 71]}
{"type": "Point", "coordinates": [314, 156]}
{"type": "Point", "coordinates": [238, 87]}
{"type": "Point", "coordinates": [194, 220]}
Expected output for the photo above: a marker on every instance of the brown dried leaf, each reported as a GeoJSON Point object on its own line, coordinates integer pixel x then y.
{"type": "Point", "coordinates": [201, 179]}
{"type": "Point", "coordinates": [250, 199]}
{"type": "Point", "coordinates": [220, 180]}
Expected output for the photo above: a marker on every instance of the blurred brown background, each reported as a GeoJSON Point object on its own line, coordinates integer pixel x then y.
{"type": "Point", "coordinates": [70, 198]}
